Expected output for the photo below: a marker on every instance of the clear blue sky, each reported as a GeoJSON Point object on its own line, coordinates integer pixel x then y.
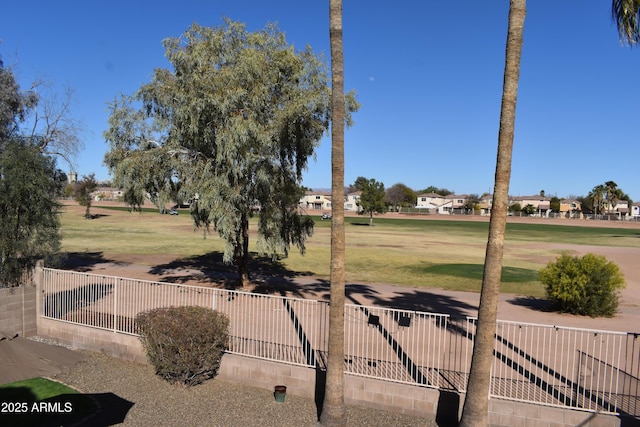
{"type": "Point", "coordinates": [428, 75]}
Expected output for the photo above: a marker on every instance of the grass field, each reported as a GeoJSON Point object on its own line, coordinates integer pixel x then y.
{"type": "Point", "coordinates": [446, 254]}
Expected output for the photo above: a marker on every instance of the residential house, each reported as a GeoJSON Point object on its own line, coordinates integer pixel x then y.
{"type": "Point", "coordinates": [351, 202]}
{"type": "Point", "coordinates": [316, 200]}
{"type": "Point", "coordinates": [485, 205]}
{"type": "Point", "coordinates": [107, 193]}
{"type": "Point", "coordinates": [430, 201]}
{"type": "Point", "coordinates": [443, 205]}
{"type": "Point", "coordinates": [620, 209]}
{"type": "Point", "coordinates": [570, 208]}
{"type": "Point", "coordinates": [458, 202]}
{"type": "Point", "coordinates": [541, 204]}
{"type": "Point", "coordinates": [635, 211]}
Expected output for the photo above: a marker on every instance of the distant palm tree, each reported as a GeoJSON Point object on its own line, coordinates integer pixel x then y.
{"type": "Point", "coordinates": [598, 196]}
{"type": "Point", "coordinates": [333, 409]}
{"type": "Point", "coordinates": [476, 405]}
{"type": "Point", "coordinates": [613, 194]}
{"type": "Point", "coordinates": [626, 14]}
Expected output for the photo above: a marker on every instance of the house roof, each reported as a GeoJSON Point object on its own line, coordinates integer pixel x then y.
{"type": "Point", "coordinates": [521, 198]}
{"type": "Point", "coordinates": [317, 193]}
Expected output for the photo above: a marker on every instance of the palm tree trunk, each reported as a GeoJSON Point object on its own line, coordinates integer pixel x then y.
{"type": "Point", "coordinates": [476, 404]}
{"type": "Point", "coordinates": [333, 409]}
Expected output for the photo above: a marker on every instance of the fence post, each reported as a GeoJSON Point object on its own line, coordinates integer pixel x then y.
{"type": "Point", "coordinates": [38, 279]}
{"type": "Point", "coordinates": [115, 304]}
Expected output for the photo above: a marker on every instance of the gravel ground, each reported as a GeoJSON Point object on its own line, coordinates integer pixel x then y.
{"type": "Point", "coordinates": [154, 402]}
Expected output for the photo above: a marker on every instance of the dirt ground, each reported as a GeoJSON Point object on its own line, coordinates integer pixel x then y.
{"type": "Point", "coordinates": [511, 307]}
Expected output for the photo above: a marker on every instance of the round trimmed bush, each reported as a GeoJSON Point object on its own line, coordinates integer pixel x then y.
{"type": "Point", "coordinates": [586, 285]}
{"type": "Point", "coordinates": [184, 344]}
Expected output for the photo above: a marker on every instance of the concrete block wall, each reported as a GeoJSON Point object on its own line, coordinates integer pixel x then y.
{"type": "Point", "coordinates": [517, 414]}
{"type": "Point", "coordinates": [18, 310]}
{"type": "Point", "coordinates": [300, 380]}
{"type": "Point", "coordinates": [123, 346]}
{"type": "Point", "coordinates": [404, 398]}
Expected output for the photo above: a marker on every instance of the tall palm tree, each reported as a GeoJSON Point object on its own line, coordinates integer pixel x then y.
{"type": "Point", "coordinates": [598, 195]}
{"type": "Point", "coordinates": [626, 14]}
{"type": "Point", "coordinates": [613, 193]}
{"type": "Point", "coordinates": [476, 404]}
{"type": "Point", "coordinates": [333, 409]}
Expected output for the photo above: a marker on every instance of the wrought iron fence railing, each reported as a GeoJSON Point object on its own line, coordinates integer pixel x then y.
{"type": "Point", "coordinates": [557, 366]}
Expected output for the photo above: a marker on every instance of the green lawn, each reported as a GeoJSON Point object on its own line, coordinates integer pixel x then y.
{"type": "Point", "coordinates": [432, 253]}
{"type": "Point", "coordinates": [37, 401]}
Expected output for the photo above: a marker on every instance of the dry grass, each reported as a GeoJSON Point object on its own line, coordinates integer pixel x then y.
{"type": "Point", "coordinates": [442, 254]}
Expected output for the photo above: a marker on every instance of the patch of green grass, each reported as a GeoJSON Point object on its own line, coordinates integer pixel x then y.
{"type": "Point", "coordinates": [41, 388]}
{"type": "Point", "coordinates": [40, 401]}
{"type": "Point", "coordinates": [475, 271]}
{"type": "Point", "coordinates": [468, 277]}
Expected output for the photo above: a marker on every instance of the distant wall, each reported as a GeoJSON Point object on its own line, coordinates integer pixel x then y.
{"type": "Point", "coordinates": [18, 310]}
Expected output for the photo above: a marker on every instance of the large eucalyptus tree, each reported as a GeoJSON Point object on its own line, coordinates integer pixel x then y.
{"type": "Point", "coordinates": [231, 126]}
{"type": "Point", "coordinates": [476, 404]}
{"type": "Point", "coordinates": [29, 185]}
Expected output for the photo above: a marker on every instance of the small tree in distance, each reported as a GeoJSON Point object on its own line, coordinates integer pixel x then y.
{"type": "Point", "coordinates": [372, 198]}
{"type": "Point", "coordinates": [82, 193]}
{"type": "Point", "coordinates": [399, 195]}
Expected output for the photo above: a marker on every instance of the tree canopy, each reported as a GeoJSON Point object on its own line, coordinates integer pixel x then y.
{"type": "Point", "coordinates": [400, 195]}
{"type": "Point", "coordinates": [605, 197]}
{"type": "Point", "coordinates": [626, 15]}
{"type": "Point", "coordinates": [231, 129]}
{"type": "Point", "coordinates": [29, 183]}
{"type": "Point", "coordinates": [82, 193]}
{"type": "Point", "coordinates": [28, 209]}
{"type": "Point", "coordinates": [436, 190]}
{"type": "Point", "coordinates": [372, 198]}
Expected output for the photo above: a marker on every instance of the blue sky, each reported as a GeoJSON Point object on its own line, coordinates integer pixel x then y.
{"type": "Point", "coordinates": [429, 79]}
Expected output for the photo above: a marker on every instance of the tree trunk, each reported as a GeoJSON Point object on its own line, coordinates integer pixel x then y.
{"type": "Point", "coordinates": [475, 411]}
{"type": "Point", "coordinates": [333, 409]}
{"type": "Point", "coordinates": [242, 254]}
{"type": "Point", "coordinates": [370, 218]}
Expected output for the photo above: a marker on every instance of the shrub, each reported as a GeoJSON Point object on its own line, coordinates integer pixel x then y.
{"type": "Point", "coordinates": [585, 285]}
{"type": "Point", "coordinates": [184, 344]}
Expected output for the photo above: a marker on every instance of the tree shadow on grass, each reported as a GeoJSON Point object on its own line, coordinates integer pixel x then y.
{"type": "Point", "coordinates": [83, 261]}
{"type": "Point", "coordinates": [430, 302]}
{"type": "Point", "coordinates": [533, 303]}
{"type": "Point", "coordinates": [268, 275]}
